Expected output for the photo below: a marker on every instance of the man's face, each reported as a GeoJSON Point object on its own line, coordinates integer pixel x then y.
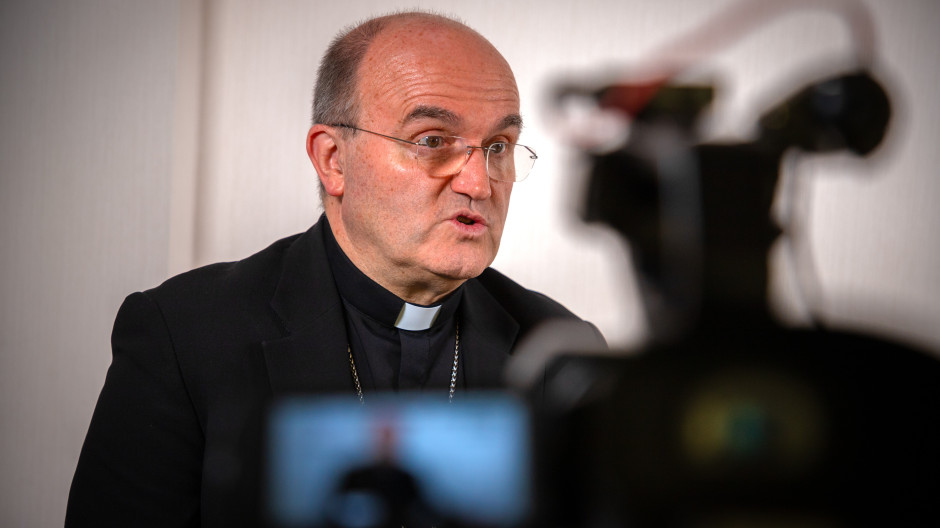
{"type": "Point", "coordinates": [402, 224]}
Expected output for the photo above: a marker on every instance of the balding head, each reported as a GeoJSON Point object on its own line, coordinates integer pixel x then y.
{"type": "Point", "coordinates": [336, 94]}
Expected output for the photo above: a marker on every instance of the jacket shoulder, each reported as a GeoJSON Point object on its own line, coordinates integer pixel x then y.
{"type": "Point", "coordinates": [254, 277]}
{"type": "Point", "coordinates": [526, 306]}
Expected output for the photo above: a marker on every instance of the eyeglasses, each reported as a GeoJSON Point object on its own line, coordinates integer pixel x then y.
{"type": "Point", "coordinates": [444, 156]}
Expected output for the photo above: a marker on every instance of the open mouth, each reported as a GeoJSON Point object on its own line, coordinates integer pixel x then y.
{"type": "Point", "coordinates": [464, 220]}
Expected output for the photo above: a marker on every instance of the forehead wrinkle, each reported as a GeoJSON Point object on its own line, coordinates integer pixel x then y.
{"type": "Point", "coordinates": [452, 119]}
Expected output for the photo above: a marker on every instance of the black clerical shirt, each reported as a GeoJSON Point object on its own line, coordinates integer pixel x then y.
{"type": "Point", "coordinates": [389, 357]}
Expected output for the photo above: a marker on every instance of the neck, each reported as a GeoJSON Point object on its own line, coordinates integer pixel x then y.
{"type": "Point", "coordinates": [415, 287]}
{"type": "Point", "coordinates": [423, 295]}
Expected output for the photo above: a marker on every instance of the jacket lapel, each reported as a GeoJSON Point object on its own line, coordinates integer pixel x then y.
{"type": "Point", "coordinates": [487, 335]}
{"type": "Point", "coordinates": [312, 356]}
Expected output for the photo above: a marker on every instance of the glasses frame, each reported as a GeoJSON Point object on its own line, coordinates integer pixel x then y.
{"type": "Point", "coordinates": [486, 150]}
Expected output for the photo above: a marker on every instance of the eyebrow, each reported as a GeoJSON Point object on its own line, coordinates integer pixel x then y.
{"type": "Point", "coordinates": [443, 114]}
{"type": "Point", "coordinates": [432, 112]}
{"type": "Point", "coordinates": [512, 120]}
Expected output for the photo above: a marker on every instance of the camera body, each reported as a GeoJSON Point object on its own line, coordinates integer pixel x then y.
{"type": "Point", "coordinates": [728, 418]}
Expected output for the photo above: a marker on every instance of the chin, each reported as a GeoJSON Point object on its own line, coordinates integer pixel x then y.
{"type": "Point", "coordinates": [463, 273]}
{"type": "Point", "coordinates": [464, 269]}
{"type": "Point", "coordinates": [460, 261]}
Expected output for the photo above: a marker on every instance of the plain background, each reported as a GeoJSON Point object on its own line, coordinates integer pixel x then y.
{"type": "Point", "coordinates": [141, 138]}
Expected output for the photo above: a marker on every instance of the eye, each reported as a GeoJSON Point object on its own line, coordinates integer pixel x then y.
{"type": "Point", "coordinates": [432, 142]}
{"type": "Point", "coordinates": [498, 148]}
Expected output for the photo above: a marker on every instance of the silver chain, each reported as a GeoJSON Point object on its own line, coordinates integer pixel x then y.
{"type": "Point", "coordinates": [453, 371]}
{"type": "Point", "coordinates": [355, 374]}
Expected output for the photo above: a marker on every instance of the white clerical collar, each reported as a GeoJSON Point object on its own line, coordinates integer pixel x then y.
{"type": "Point", "coordinates": [413, 317]}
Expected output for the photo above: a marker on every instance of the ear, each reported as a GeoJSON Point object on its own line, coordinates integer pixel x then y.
{"type": "Point", "coordinates": [323, 147]}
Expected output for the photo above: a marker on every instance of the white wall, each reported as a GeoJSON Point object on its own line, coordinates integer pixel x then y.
{"type": "Point", "coordinates": [86, 106]}
{"type": "Point", "coordinates": [141, 138]}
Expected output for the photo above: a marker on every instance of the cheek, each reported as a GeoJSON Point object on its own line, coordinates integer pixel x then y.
{"type": "Point", "coordinates": [500, 204]}
{"type": "Point", "coordinates": [501, 195]}
{"type": "Point", "coordinates": [371, 179]}
{"type": "Point", "coordinates": [389, 199]}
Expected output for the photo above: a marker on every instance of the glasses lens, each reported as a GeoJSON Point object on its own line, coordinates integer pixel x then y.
{"type": "Point", "coordinates": [524, 159]}
{"type": "Point", "coordinates": [446, 155]}
{"type": "Point", "coordinates": [510, 162]}
{"type": "Point", "coordinates": [442, 155]}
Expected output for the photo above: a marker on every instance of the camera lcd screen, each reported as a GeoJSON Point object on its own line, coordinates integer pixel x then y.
{"type": "Point", "coordinates": [468, 461]}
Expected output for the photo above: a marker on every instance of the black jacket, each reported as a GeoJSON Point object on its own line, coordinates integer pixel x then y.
{"type": "Point", "coordinates": [196, 359]}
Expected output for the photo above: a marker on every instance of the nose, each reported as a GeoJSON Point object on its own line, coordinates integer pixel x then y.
{"type": "Point", "coordinates": [473, 179]}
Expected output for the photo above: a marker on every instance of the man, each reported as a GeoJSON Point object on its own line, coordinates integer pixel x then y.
{"type": "Point", "coordinates": [416, 120]}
